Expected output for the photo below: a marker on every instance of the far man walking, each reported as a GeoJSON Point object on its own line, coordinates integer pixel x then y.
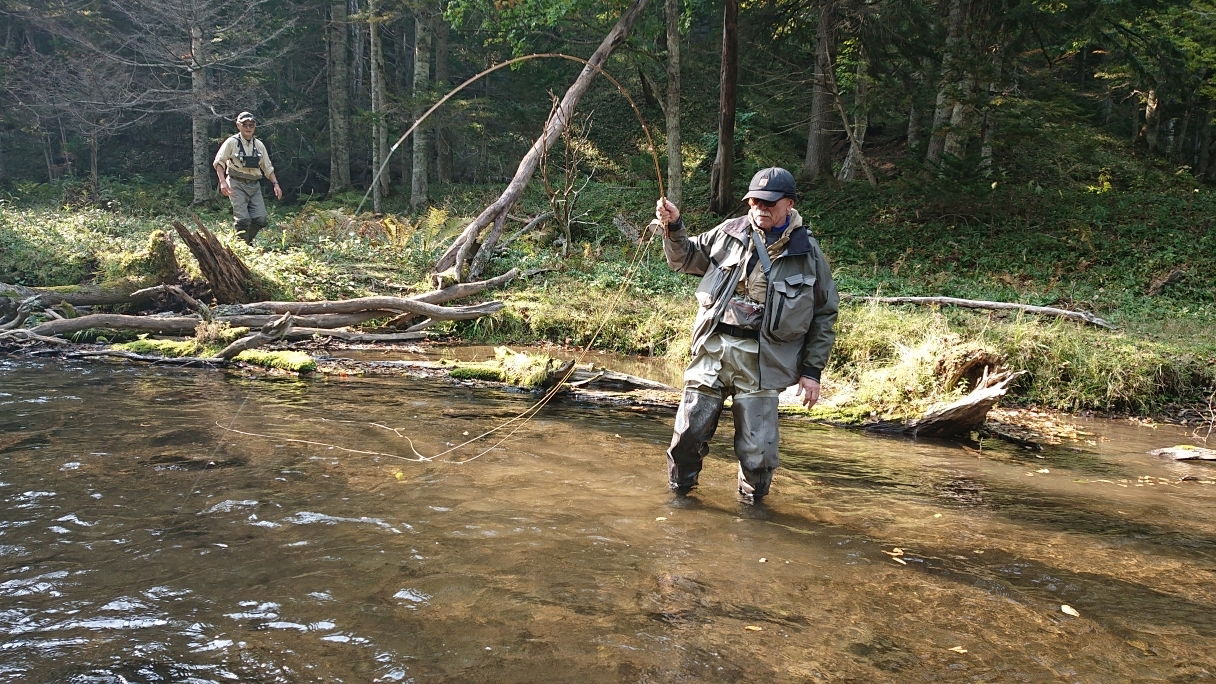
{"type": "Point", "coordinates": [241, 164]}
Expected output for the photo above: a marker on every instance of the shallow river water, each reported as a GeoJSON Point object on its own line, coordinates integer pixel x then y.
{"type": "Point", "coordinates": [177, 525]}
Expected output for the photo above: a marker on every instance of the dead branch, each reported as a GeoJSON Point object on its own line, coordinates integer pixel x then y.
{"type": "Point", "coordinates": [388, 305]}
{"type": "Point", "coordinates": [1082, 316]}
{"type": "Point", "coordinates": [202, 309]}
{"type": "Point", "coordinates": [541, 218]}
{"type": "Point", "coordinates": [350, 336]}
{"type": "Point", "coordinates": [270, 332]}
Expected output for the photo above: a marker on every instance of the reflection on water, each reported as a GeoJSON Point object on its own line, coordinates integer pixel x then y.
{"type": "Point", "coordinates": [175, 525]}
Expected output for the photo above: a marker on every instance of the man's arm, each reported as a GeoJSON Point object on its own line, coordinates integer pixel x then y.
{"type": "Point", "coordinates": [817, 345]}
{"type": "Point", "coordinates": [221, 167]}
{"type": "Point", "coordinates": [268, 171]}
{"type": "Point", "coordinates": [684, 254]}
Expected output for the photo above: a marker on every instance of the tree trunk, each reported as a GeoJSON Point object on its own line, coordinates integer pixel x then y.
{"type": "Point", "coordinates": [675, 160]}
{"type": "Point", "coordinates": [379, 134]}
{"type": "Point", "coordinates": [915, 128]}
{"type": "Point", "coordinates": [987, 135]}
{"type": "Point", "coordinates": [48, 156]}
{"type": "Point", "coordinates": [1203, 152]}
{"type": "Point", "coordinates": [201, 160]}
{"type": "Point", "coordinates": [950, 79]}
{"type": "Point", "coordinates": [958, 133]}
{"type": "Point", "coordinates": [460, 252]}
{"type": "Point", "coordinates": [854, 161]}
{"type": "Point", "coordinates": [422, 136]}
{"type": "Point", "coordinates": [818, 162]}
{"type": "Point", "coordinates": [721, 199]}
{"type": "Point", "coordinates": [1152, 119]}
{"type": "Point", "coordinates": [338, 79]}
{"type": "Point", "coordinates": [443, 135]}
{"type": "Point", "coordinates": [94, 177]}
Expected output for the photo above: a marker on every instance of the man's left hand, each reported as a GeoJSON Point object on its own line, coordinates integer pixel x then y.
{"type": "Point", "coordinates": [278, 192]}
{"type": "Point", "coordinates": [808, 389]}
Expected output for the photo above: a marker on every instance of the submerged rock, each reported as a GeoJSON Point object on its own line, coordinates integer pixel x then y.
{"type": "Point", "coordinates": [1185, 452]}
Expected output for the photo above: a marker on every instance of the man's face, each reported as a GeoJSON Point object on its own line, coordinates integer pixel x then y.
{"type": "Point", "coordinates": [247, 127]}
{"type": "Point", "coordinates": [769, 215]}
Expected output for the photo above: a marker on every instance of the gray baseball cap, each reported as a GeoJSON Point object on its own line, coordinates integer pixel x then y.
{"type": "Point", "coordinates": [246, 116]}
{"type": "Point", "coordinates": [771, 184]}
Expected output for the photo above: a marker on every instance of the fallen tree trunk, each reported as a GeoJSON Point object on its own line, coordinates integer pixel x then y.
{"type": "Point", "coordinates": [956, 418]}
{"type": "Point", "coordinates": [392, 305]}
{"type": "Point", "coordinates": [342, 317]}
{"type": "Point", "coordinates": [1082, 316]}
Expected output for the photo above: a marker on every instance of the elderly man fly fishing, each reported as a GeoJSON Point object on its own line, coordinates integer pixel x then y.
{"type": "Point", "coordinates": [766, 320]}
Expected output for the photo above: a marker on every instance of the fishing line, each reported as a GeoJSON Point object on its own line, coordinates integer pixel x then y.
{"type": "Point", "coordinates": [519, 421]}
{"type": "Point", "coordinates": [639, 257]}
{"type": "Point", "coordinates": [472, 79]}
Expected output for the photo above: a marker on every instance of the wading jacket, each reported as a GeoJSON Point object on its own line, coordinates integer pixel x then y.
{"type": "Point", "coordinates": [799, 324]}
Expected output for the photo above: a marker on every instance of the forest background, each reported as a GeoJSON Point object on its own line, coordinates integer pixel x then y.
{"type": "Point", "coordinates": [1047, 152]}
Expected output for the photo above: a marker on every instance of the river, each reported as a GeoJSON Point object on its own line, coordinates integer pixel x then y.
{"type": "Point", "coordinates": [184, 525]}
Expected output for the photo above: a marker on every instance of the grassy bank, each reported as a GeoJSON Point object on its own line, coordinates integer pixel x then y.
{"type": "Point", "coordinates": [1140, 257]}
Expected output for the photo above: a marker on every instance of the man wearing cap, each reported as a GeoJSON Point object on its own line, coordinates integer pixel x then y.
{"type": "Point", "coordinates": [766, 320]}
{"type": "Point", "coordinates": [240, 165]}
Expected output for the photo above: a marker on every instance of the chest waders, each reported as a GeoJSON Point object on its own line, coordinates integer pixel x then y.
{"type": "Point", "coordinates": [718, 371]}
{"type": "Point", "coordinates": [248, 207]}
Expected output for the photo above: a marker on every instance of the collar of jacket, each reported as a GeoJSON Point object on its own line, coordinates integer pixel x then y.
{"type": "Point", "coordinates": [800, 239]}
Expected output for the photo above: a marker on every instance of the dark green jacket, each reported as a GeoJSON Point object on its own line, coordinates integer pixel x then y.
{"type": "Point", "coordinates": [799, 324]}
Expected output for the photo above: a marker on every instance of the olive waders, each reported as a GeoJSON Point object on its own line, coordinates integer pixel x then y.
{"type": "Point", "coordinates": [717, 372]}
{"type": "Point", "coordinates": [248, 207]}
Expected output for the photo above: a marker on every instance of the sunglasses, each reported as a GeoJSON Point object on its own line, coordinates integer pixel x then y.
{"type": "Point", "coordinates": [764, 203]}
{"type": "Point", "coordinates": [248, 124]}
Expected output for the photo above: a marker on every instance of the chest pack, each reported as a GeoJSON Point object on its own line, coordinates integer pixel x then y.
{"type": "Point", "coordinates": [251, 161]}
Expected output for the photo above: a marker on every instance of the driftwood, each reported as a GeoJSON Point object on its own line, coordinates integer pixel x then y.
{"type": "Point", "coordinates": [1081, 316]}
{"type": "Point", "coordinates": [230, 279]}
{"type": "Point", "coordinates": [955, 418]}
{"type": "Point", "coordinates": [326, 318]}
{"type": "Point", "coordinates": [269, 333]}
{"type": "Point", "coordinates": [589, 375]}
{"type": "Point", "coordinates": [380, 304]}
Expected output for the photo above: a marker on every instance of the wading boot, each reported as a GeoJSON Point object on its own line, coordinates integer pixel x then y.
{"type": "Point", "coordinates": [243, 228]}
